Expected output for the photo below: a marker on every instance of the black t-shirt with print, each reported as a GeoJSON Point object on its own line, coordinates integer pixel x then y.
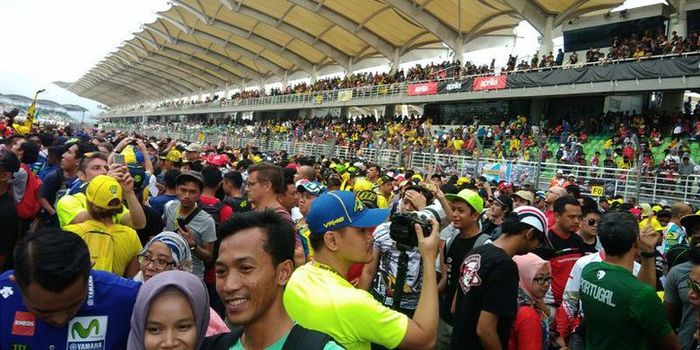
{"type": "Point", "coordinates": [590, 248]}
{"type": "Point", "coordinates": [459, 248]}
{"type": "Point", "coordinates": [488, 281]}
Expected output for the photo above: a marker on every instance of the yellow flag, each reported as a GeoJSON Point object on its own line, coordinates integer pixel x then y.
{"type": "Point", "coordinates": [26, 127]}
{"type": "Point", "coordinates": [31, 112]}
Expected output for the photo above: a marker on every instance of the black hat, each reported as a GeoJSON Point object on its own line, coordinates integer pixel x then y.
{"type": "Point", "coordinates": [505, 201]}
{"type": "Point", "coordinates": [189, 175]}
{"type": "Point", "coordinates": [689, 221]}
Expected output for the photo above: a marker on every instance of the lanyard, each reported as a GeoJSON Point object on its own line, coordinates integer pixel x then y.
{"type": "Point", "coordinates": [326, 267]}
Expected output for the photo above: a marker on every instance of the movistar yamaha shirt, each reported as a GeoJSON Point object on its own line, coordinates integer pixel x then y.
{"type": "Point", "coordinates": [621, 312]}
{"type": "Point", "coordinates": [102, 323]}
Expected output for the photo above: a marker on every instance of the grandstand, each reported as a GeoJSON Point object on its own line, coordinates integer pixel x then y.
{"type": "Point", "coordinates": [208, 48]}
{"type": "Point", "coordinates": [264, 70]}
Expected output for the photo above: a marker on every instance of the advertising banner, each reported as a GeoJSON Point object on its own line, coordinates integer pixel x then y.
{"type": "Point", "coordinates": [422, 89]}
{"type": "Point", "coordinates": [489, 83]}
{"type": "Point", "coordinates": [522, 173]}
{"type": "Point", "coordinates": [345, 95]}
{"type": "Point", "coordinates": [445, 87]}
{"type": "Point", "coordinates": [496, 171]}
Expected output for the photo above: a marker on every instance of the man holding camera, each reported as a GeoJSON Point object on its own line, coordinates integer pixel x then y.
{"type": "Point", "coordinates": [318, 296]}
{"type": "Point", "coordinates": [396, 262]}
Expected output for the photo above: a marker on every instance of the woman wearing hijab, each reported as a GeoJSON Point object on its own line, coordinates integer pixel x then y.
{"type": "Point", "coordinates": [171, 310]}
{"type": "Point", "coordinates": [530, 330]}
{"type": "Point", "coordinates": [169, 251]}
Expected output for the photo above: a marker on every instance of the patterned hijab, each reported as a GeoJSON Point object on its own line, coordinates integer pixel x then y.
{"type": "Point", "coordinates": [182, 256]}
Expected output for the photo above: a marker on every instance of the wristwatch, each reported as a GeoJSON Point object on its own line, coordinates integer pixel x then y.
{"type": "Point", "coordinates": [648, 255]}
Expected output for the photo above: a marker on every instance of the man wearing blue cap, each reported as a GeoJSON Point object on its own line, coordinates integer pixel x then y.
{"type": "Point", "coordinates": [319, 297]}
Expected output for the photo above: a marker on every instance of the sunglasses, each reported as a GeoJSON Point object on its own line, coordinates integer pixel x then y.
{"type": "Point", "coordinates": [694, 286]}
{"type": "Point", "coordinates": [543, 280]}
{"type": "Point", "coordinates": [592, 222]}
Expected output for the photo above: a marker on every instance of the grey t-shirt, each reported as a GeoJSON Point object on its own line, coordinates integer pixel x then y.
{"type": "Point", "coordinates": [676, 292]}
{"type": "Point", "coordinates": [202, 226]}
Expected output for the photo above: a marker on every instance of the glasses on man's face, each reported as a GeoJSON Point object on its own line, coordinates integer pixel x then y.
{"type": "Point", "coordinates": [592, 222]}
{"type": "Point", "coordinates": [159, 264]}
{"type": "Point", "coordinates": [694, 286]}
{"type": "Point", "coordinates": [542, 280]}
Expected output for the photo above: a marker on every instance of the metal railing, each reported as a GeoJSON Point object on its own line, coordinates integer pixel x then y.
{"type": "Point", "coordinates": [650, 187]}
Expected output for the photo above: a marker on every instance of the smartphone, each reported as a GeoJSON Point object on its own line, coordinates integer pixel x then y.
{"type": "Point", "coordinates": [181, 222]}
{"type": "Point", "coordinates": [119, 159]}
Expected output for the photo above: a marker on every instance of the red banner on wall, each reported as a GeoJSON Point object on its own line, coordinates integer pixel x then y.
{"type": "Point", "coordinates": [489, 83]}
{"type": "Point", "coordinates": [422, 89]}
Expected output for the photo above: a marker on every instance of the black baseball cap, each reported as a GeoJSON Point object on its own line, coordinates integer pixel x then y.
{"type": "Point", "coordinates": [189, 175]}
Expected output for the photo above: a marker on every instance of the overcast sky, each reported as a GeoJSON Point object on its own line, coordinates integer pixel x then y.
{"type": "Point", "coordinates": [60, 40]}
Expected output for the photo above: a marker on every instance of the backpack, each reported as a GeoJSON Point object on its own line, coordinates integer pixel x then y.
{"type": "Point", "coordinates": [481, 240]}
{"type": "Point", "coordinates": [28, 207]}
{"type": "Point", "coordinates": [238, 204]}
{"type": "Point", "coordinates": [213, 210]}
{"type": "Point", "coordinates": [299, 338]}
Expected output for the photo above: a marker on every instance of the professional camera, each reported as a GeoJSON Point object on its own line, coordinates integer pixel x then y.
{"type": "Point", "coordinates": [403, 230]}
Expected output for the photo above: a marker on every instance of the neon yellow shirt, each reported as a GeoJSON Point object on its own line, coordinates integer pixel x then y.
{"type": "Point", "coordinates": [69, 206]}
{"type": "Point", "coordinates": [323, 301]}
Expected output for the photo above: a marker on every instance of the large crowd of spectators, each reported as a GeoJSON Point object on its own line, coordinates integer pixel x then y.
{"type": "Point", "coordinates": [185, 245]}
{"type": "Point", "coordinates": [513, 139]}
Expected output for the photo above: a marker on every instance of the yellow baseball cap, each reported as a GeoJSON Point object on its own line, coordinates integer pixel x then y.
{"type": "Point", "coordinates": [362, 184]}
{"type": "Point", "coordinates": [104, 192]}
{"type": "Point", "coordinates": [174, 156]}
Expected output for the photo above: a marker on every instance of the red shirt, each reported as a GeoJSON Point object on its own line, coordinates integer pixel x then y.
{"type": "Point", "coordinates": [526, 332]}
{"type": "Point", "coordinates": [562, 258]}
{"type": "Point", "coordinates": [224, 214]}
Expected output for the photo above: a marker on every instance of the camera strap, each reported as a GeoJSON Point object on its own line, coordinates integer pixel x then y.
{"type": "Point", "coordinates": [402, 269]}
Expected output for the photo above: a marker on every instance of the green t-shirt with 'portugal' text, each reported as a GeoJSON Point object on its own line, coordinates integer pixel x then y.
{"type": "Point", "coordinates": [621, 311]}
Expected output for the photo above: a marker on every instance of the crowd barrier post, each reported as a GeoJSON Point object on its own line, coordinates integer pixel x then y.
{"type": "Point", "coordinates": [638, 146]}
{"type": "Point", "coordinates": [331, 143]}
{"type": "Point", "coordinates": [538, 168]}
{"type": "Point", "coordinates": [479, 150]}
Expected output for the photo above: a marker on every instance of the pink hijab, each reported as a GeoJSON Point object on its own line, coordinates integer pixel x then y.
{"type": "Point", "coordinates": [528, 266]}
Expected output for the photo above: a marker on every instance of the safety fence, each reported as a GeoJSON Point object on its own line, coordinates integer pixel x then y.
{"type": "Point", "coordinates": [646, 186]}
